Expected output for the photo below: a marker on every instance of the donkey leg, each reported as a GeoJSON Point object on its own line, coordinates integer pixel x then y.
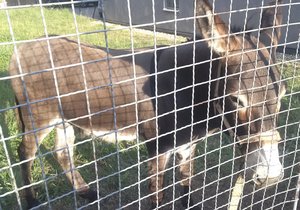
{"type": "Point", "coordinates": [64, 151]}
{"type": "Point", "coordinates": [186, 167]}
{"type": "Point", "coordinates": [26, 151]}
{"type": "Point", "coordinates": [156, 169]}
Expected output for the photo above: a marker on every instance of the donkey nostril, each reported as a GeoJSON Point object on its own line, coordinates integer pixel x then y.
{"type": "Point", "coordinates": [258, 180]}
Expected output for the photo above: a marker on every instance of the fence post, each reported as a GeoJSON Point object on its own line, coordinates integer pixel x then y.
{"type": "Point", "coordinates": [297, 192]}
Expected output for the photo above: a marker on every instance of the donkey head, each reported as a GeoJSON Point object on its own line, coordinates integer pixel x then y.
{"type": "Point", "coordinates": [248, 90]}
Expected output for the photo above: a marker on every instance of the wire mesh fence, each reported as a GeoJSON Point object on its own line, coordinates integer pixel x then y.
{"type": "Point", "coordinates": [96, 115]}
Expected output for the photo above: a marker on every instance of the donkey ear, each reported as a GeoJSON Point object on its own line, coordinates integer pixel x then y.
{"type": "Point", "coordinates": [270, 24]}
{"type": "Point", "coordinates": [213, 29]}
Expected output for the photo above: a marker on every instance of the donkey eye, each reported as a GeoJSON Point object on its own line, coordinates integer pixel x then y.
{"type": "Point", "coordinates": [239, 101]}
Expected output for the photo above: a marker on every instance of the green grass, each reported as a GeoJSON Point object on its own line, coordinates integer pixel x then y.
{"type": "Point", "coordinates": [291, 101]}
{"type": "Point", "coordinates": [27, 24]}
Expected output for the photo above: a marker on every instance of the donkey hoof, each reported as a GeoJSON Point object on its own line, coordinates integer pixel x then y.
{"type": "Point", "coordinates": [185, 202]}
{"type": "Point", "coordinates": [154, 206]}
{"type": "Point", "coordinates": [90, 195]}
{"type": "Point", "coordinates": [33, 203]}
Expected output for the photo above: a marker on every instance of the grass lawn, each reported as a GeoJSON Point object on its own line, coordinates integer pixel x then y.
{"type": "Point", "coordinates": [28, 24]}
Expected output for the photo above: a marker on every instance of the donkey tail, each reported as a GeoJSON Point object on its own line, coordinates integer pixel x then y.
{"type": "Point", "coordinates": [19, 116]}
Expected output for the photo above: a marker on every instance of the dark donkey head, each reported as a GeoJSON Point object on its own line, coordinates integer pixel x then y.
{"type": "Point", "coordinates": [248, 92]}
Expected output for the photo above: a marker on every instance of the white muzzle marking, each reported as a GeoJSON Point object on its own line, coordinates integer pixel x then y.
{"type": "Point", "coordinates": [269, 170]}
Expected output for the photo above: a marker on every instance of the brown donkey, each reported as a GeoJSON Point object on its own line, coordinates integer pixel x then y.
{"type": "Point", "coordinates": [240, 92]}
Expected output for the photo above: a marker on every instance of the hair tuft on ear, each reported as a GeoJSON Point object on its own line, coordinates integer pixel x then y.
{"type": "Point", "coordinates": [213, 29]}
{"type": "Point", "coordinates": [270, 24]}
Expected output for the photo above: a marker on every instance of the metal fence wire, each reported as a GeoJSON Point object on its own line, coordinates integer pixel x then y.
{"type": "Point", "coordinates": [188, 104]}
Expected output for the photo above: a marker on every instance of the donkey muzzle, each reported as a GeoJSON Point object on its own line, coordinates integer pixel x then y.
{"type": "Point", "coordinates": [267, 175]}
{"type": "Point", "coordinates": [262, 159]}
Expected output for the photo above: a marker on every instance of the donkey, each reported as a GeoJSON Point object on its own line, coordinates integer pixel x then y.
{"type": "Point", "coordinates": [240, 91]}
{"type": "Point", "coordinates": [233, 85]}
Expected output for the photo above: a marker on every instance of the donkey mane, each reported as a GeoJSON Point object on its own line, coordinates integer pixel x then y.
{"type": "Point", "coordinates": [240, 29]}
{"type": "Point", "coordinates": [234, 29]}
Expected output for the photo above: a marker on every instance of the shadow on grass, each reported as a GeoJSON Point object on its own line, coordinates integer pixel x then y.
{"type": "Point", "coordinates": [9, 128]}
{"type": "Point", "coordinates": [6, 101]}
